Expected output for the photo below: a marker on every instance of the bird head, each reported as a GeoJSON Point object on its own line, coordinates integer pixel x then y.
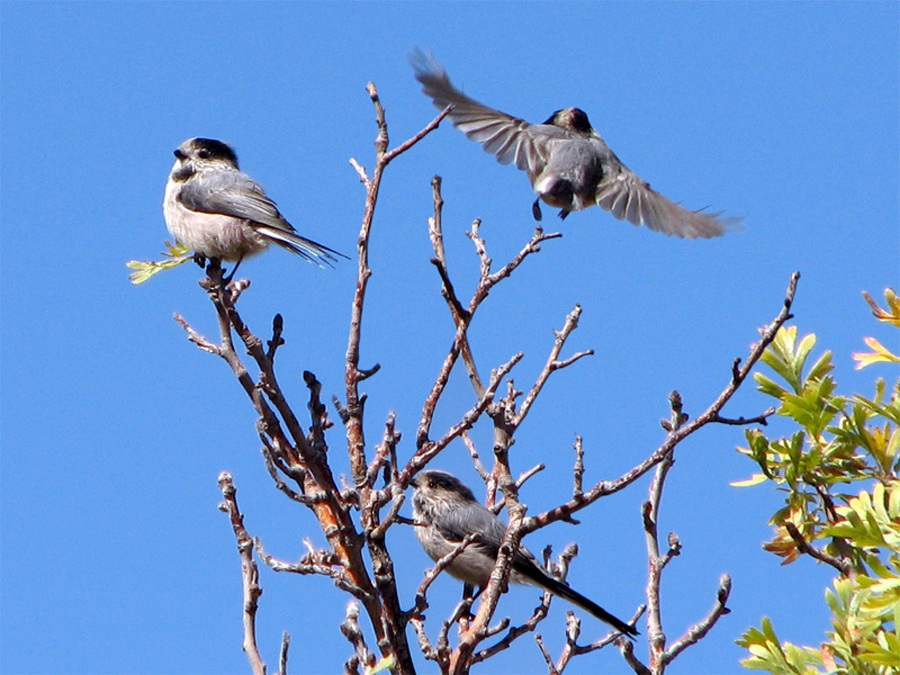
{"type": "Point", "coordinates": [202, 153]}
{"type": "Point", "coordinates": [436, 490]}
{"type": "Point", "coordinates": [571, 119]}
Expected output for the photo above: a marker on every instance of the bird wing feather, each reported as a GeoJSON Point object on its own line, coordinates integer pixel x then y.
{"type": "Point", "coordinates": [232, 193]}
{"type": "Point", "coordinates": [627, 197]}
{"type": "Point", "coordinates": [235, 194]}
{"type": "Point", "coordinates": [510, 139]}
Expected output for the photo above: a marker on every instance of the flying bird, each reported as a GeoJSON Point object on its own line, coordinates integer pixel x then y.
{"type": "Point", "coordinates": [569, 165]}
{"type": "Point", "coordinates": [446, 512]}
{"type": "Point", "coordinates": [218, 211]}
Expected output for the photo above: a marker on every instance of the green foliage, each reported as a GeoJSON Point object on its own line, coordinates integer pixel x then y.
{"type": "Point", "coordinates": [175, 255]}
{"type": "Point", "coordinates": [840, 442]}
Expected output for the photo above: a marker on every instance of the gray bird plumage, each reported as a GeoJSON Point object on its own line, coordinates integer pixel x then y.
{"type": "Point", "coordinates": [569, 165]}
{"type": "Point", "coordinates": [446, 512]}
{"type": "Point", "coordinates": [218, 211]}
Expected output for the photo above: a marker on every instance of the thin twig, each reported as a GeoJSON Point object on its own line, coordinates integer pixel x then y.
{"type": "Point", "coordinates": [283, 653]}
{"type": "Point", "coordinates": [675, 436]}
{"type": "Point", "coordinates": [352, 631]}
{"type": "Point", "coordinates": [553, 363]}
{"type": "Point", "coordinates": [696, 632]}
{"type": "Point", "coordinates": [841, 565]}
{"type": "Point", "coordinates": [249, 572]}
{"type": "Point", "coordinates": [578, 469]}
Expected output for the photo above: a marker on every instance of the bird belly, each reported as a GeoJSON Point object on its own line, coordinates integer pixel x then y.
{"type": "Point", "coordinates": [561, 193]}
{"type": "Point", "coordinates": [213, 235]}
{"type": "Point", "coordinates": [470, 566]}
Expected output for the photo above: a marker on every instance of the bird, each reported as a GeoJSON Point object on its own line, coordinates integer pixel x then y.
{"type": "Point", "coordinates": [569, 165]}
{"type": "Point", "coordinates": [221, 213]}
{"type": "Point", "coordinates": [446, 511]}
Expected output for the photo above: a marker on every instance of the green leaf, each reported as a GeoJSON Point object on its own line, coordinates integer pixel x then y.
{"type": "Point", "coordinates": [755, 479]}
{"type": "Point", "coordinates": [145, 269]}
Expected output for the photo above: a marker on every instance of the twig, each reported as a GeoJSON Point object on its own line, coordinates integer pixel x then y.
{"type": "Point", "coordinates": [324, 563]}
{"type": "Point", "coordinates": [650, 512]}
{"type": "Point", "coordinates": [249, 571]}
{"type": "Point", "coordinates": [553, 363]}
{"type": "Point", "coordinates": [353, 374]}
{"type": "Point", "coordinates": [462, 317]}
{"type": "Point", "coordinates": [525, 475]}
{"type": "Point", "coordinates": [841, 565]}
{"type": "Point", "coordinates": [696, 632]}
{"type": "Point", "coordinates": [428, 451]}
{"type": "Point", "coordinates": [351, 630]}
{"type": "Point", "coordinates": [476, 460]}
{"type": "Point", "coordinates": [276, 341]}
{"type": "Point", "coordinates": [741, 421]}
{"type": "Point", "coordinates": [440, 565]}
{"type": "Point", "coordinates": [675, 436]}
{"type": "Point", "coordinates": [283, 654]}
{"type": "Point", "coordinates": [540, 612]}
{"type": "Point", "coordinates": [551, 667]}
{"type": "Point", "coordinates": [578, 469]}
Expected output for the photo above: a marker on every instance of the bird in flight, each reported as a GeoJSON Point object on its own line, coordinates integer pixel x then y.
{"type": "Point", "coordinates": [569, 165]}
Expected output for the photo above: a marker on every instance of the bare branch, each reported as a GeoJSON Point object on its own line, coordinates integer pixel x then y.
{"type": "Point", "coordinates": [540, 612]}
{"type": "Point", "coordinates": [195, 337]}
{"type": "Point", "coordinates": [351, 630]}
{"type": "Point", "coordinates": [439, 566]}
{"type": "Point", "coordinates": [325, 563]}
{"type": "Point", "coordinates": [553, 363]}
{"type": "Point", "coordinates": [841, 565]}
{"type": "Point", "coordinates": [639, 668]}
{"type": "Point", "coordinates": [676, 435]}
{"type": "Point", "coordinates": [551, 668]}
{"type": "Point", "coordinates": [463, 317]}
{"type": "Point", "coordinates": [578, 469]}
{"type": "Point", "coordinates": [431, 126]}
{"type": "Point", "coordinates": [426, 453]}
{"type": "Point", "coordinates": [696, 632]}
{"type": "Point", "coordinates": [528, 474]}
{"type": "Point", "coordinates": [476, 460]}
{"type": "Point", "coordinates": [249, 571]}
{"type": "Point", "coordinates": [741, 421]}
{"type": "Point", "coordinates": [283, 654]}
{"type": "Point", "coordinates": [276, 341]}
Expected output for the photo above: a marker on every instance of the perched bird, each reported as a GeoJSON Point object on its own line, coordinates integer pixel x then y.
{"type": "Point", "coordinates": [219, 212]}
{"type": "Point", "coordinates": [570, 167]}
{"type": "Point", "coordinates": [446, 512]}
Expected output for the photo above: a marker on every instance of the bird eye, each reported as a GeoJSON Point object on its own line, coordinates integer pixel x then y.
{"type": "Point", "coordinates": [203, 153]}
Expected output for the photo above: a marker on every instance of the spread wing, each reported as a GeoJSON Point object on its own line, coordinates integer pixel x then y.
{"type": "Point", "coordinates": [508, 138]}
{"type": "Point", "coordinates": [624, 194]}
{"type": "Point", "coordinates": [234, 193]}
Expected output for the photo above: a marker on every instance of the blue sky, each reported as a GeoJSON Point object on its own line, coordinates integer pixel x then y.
{"type": "Point", "coordinates": [114, 427]}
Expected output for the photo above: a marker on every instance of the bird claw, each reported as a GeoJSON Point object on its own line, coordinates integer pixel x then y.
{"type": "Point", "coordinates": [563, 214]}
{"type": "Point", "coordinates": [536, 210]}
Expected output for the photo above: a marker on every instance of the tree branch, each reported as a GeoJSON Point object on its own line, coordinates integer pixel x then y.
{"type": "Point", "coordinates": [249, 571]}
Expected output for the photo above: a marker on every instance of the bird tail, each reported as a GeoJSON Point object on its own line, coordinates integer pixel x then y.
{"type": "Point", "coordinates": [310, 250]}
{"type": "Point", "coordinates": [562, 590]}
